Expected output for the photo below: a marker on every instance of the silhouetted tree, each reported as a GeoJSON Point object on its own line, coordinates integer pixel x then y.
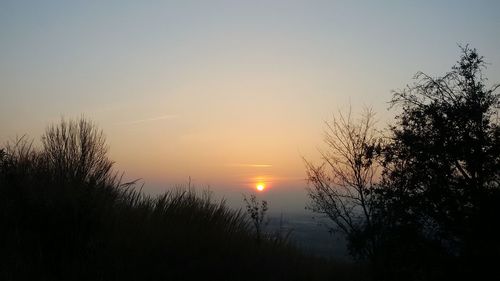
{"type": "Point", "coordinates": [341, 186]}
{"type": "Point", "coordinates": [440, 193]}
{"type": "Point", "coordinates": [257, 212]}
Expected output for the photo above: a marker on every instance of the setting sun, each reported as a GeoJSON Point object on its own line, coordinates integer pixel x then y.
{"type": "Point", "coordinates": [260, 186]}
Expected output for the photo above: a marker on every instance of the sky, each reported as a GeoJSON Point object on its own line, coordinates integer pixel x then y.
{"type": "Point", "coordinates": [226, 93]}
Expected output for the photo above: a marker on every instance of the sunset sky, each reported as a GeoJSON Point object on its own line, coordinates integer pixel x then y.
{"type": "Point", "coordinates": [229, 93]}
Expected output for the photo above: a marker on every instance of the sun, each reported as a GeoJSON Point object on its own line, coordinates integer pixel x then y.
{"type": "Point", "coordinates": [260, 186]}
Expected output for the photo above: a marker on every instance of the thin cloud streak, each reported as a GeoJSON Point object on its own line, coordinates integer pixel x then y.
{"type": "Point", "coordinates": [250, 165]}
{"type": "Point", "coordinates": [158, 118]}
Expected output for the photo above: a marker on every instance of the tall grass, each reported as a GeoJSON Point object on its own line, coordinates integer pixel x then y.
{"type": "Point", "coordinates": [60, 225]}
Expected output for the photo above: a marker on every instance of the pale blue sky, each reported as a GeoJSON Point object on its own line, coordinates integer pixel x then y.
{"type": "Point", "coordinates": [209, 88]}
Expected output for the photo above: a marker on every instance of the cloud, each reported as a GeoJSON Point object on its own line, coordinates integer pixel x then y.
{"type": "Point", "coordinates": [250, 165]}
{"type": "Point", "coordinates": [157, 118]}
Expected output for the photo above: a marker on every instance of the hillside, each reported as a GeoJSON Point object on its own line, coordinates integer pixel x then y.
{"type": "Point", "coordinates": [65, 219]}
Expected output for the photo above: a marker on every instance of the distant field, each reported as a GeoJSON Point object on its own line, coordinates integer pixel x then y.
{"type": "Point", "coordinates": [310, 236]}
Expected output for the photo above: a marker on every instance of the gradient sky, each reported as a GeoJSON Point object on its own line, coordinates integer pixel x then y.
{"type": "Point", "coordinates": [225, 92]}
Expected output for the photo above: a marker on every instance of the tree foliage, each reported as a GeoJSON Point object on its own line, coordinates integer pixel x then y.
{"type": "Point", "coordinates": [440, 192]}
{"type": "Point", "coordinates": [434, 212]}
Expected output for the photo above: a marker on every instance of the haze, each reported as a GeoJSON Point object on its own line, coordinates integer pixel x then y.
{"type": "Point", "coordinates": [229, 93]}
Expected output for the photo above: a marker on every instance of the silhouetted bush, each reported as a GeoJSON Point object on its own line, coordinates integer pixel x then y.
{"type": "Point", "coordinates": [76, 151]}
{"type": "Point", "coordinates": [64, 215]}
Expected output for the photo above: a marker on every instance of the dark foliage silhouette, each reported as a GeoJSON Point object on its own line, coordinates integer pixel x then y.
{"type": "Point", "coordinates": [433, 212]}
{"type": "Point", "coordinates": [440, 193]}
{"type": "Point", "coordinates": [257, 213]}
{"type": "Point", "coordinates": [76, 151]}
{"type": "Point", "coordinates": [341, 187]}
{"type": "Point", "coordinates": [65, 215]}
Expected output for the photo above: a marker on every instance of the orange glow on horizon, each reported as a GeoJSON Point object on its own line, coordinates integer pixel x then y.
{"type": "Point", "coordinates": [260, 186]}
